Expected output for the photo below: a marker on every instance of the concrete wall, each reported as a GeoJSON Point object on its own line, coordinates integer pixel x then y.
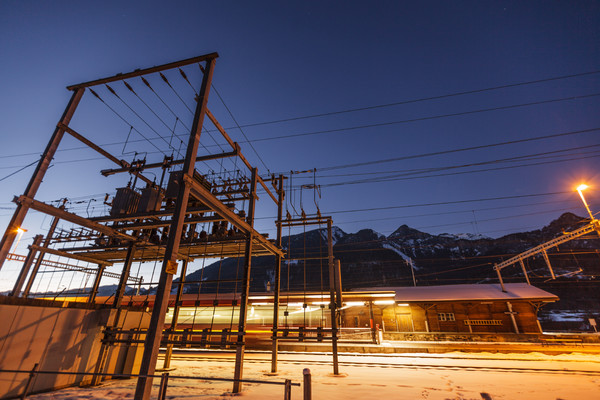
{"type": "Point", "coordinates": [66, 339]}
{"type": "Point", "coordinates": [58, 339]}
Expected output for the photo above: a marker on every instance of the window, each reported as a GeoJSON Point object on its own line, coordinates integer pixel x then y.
{"type": "Point", "coordinates": [446, 317]}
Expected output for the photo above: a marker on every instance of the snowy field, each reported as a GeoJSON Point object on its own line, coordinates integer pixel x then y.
{"type": "Point", "coordinates": [401, 376]}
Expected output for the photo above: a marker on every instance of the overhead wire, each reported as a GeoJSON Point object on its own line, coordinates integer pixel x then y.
{"type": "Point", "coordinates": [124, 120]}
{"type": "Point", "coordinates": [407, 175]}
{"type": "Point", "coordinates": [422, 99]}
{"type": "Point", "coordinates": [186, 79]}
{"type": "Point", "coordinates": [419, 119]}
{"type": "Point", "coordinates": [204, 129]}
{"type": "Point", "coordinates": [236, 123]}
{"type": "Point", "coordinates": [19, 170]}
{"type": "Point", "coordinates": [448, 202]}
{"type": "Point", "coordinates": [111, 90]}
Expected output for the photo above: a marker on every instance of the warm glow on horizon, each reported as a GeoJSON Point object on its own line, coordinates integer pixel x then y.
{"type": "Point", "coordinates": [581, 187]}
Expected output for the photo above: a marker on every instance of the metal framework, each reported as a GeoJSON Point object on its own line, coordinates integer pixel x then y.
{"type": "Point", "coordinates": [161, 223]}
{"type": "Point", "coordinates": [593, 226]}
{"type": "Point", "coordinates": [335, 296]}
{"type": "Point", "coordinates": [164, 230]}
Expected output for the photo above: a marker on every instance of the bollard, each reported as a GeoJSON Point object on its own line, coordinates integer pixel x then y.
{"type": "Point", "coordinates": [307, 384]}
{"type": "Point", "coordinates": [162, 389]}
{"type": "Point", "coordinates": [29, 381]}
{"type": "Point", "coordinates": [287, 391]}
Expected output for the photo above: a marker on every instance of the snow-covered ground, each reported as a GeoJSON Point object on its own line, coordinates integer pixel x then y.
{"type": "Point", "coordinates": [400, 376]}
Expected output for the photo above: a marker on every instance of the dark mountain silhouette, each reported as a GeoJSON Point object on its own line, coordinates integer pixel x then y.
{"type": "Point", "coordinates": [369, 259]}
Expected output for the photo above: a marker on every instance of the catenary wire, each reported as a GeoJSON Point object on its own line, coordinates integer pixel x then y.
{"type": "Point", "coordinates": [422, 99]}
{"type": "Point", "coordinates": [426, 118]}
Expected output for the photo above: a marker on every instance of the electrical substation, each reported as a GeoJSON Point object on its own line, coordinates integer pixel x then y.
{"type": "Point", "coordinates": [184, 193]}
{"type": "Point", "coordinates": [162, 258]}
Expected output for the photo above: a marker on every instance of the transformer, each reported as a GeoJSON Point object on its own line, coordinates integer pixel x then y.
{"type": "Point", "coordinates": [125, 202]}
{"type": "Point", "coordinates": [150, 200]}
{"type": "Point", "coordinates": [176, 177]}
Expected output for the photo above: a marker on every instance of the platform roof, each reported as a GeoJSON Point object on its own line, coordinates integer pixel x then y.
{"type": "Point", "coordinates": [466, 292]}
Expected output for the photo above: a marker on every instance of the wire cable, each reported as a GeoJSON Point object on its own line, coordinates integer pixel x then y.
{"type": "Point", "coordinates": [426, 118]}
{"type": "Point", "coordinates": [124, 120]}
{"type": "Point", "coordinates": [19, 170]}
{"type": "Point", "coordinates": [422, 99]}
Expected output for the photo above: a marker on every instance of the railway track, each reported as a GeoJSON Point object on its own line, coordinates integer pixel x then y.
{"type": "Point", "coordinates": [400, 365]}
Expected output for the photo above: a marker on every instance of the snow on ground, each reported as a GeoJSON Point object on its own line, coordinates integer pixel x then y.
{"type": "Point", "coordinates": [402, 376]}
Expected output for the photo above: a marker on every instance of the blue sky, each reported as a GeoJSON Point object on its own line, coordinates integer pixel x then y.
{"type": "Point", "coordinates": [282, 60]}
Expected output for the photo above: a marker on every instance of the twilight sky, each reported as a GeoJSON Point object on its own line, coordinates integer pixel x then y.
{"type": "Point", "coordinates": [284, 60]}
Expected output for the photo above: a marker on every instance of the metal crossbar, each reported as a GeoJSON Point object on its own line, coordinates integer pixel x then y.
{"type": "Point", "coordinates": [77, 268]}
{"type": "Point", "coordinates": [593, 226]}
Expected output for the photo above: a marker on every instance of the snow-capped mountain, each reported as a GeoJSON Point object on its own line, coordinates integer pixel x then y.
{"type": "Point", "coordinates": [371, 259]}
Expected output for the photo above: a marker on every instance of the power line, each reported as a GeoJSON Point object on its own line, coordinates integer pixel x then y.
{"type": "Point", "coordinates": [406, 176]}
{"type": "Point", "coordinates": [444, 96]}
{"type": "Point", "coordinates": [446, 203]}
{"type": "Point", "coordinates": [427, 118]}
{"type": "Point", "coordinates": [241, 130]}
{"type": "Point", "coordinates": [19, 170]}
{"type": "Point", "coordinates": [338, 223]}
{"type": "Point", "coordinates": [123, 119]}
{"type": "Point", "coordinates": [462, 149]}
{"type": "Point", "coordinates": [110, 89]}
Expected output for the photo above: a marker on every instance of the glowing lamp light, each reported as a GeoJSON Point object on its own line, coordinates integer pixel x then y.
{"type": "Point", "coordinates": [384, 302]}
{"type": "Point", "coordinates": [20, 232]}
{"type": "Point", "coordinates": [579, 189]}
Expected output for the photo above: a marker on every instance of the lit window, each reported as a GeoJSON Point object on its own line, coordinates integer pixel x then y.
{"type": "Point", "coordinates": [446, 317]}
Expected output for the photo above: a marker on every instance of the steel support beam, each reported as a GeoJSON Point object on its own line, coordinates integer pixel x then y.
{"type": "Point", "coordinates": [38, 261]}
{"type": "Point", "coordinates": [67, 216]}
{"type": "Point", "coordinates": [107, 172]}
{"type": "Point", "coordinates": [161, 223]}
{"type": "Point", "coordinates": [545, 255]}
{"type": "Point", "coordinates": [338, 283]}
{"type": "Point", "coordinates": [26, 266]}
{"type": "Point", "coordinates": [524, 271]}
{"type": "Point", "coordinates": [332, 302]}
{"type": "Point", "coordinates": [65, 254]}
{"type": "Point", "coordinates": [176, 308]}
{"type": "Point", "coordinates": [234, 145]}
{"type": "Point", "coordinates": [277, 288]}
{"type": "Point", "coordinates": [500, 278]}
{"type": "Point", "coordinates": [124, 276]}
{"type": "Point", "coordinates": [36, 179]}
{"type": "Point", "coordinates": [146, 215]}
{"type": "Point", "coordinates": [157, 320]}
{"type": "Point", "coordinates": [205, 196]}
{"type": "Point", "coordinates": [100, 150]}
{"type": "Point", "coordinates": [96, 285]}
{"type": "Point", "coordinates": [241, 339]}
{"type": "Point", "coordinates": [145, 71]}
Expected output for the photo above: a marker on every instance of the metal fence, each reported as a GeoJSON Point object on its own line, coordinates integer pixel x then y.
{"type": "Point", "coordinates": [164, 379]}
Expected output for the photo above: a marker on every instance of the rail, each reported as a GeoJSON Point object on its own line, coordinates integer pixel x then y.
{"type": "Point", "coordinates": [164, 378]}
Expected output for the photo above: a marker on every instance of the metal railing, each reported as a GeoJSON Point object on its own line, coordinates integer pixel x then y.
{"type": "Point", "coordinates": [164, 379]}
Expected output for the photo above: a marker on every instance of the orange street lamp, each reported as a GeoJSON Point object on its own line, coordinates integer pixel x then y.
{"type": "Point", "coordinates": [580, 189]}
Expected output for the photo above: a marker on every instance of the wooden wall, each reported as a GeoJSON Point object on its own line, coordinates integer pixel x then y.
{"type": "Point", "coordinates": [424, 317]}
